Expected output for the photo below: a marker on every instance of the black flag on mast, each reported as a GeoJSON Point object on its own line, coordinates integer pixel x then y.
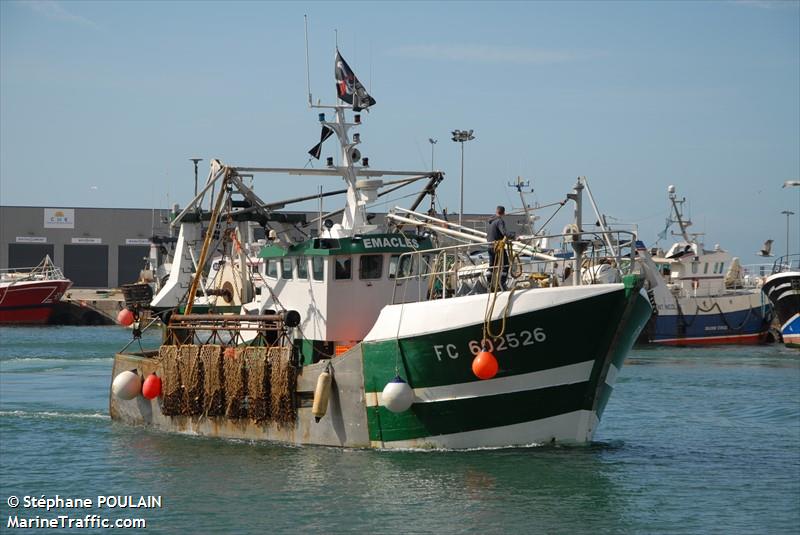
{"type": "Point", "coordinates": [316, 150]}
{"type": "Point", "coordinates": [349, 88]}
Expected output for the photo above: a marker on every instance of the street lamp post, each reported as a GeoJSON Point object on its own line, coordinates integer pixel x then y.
{"type": "Point", "coordinates": [196, 161]}
{"type": "Point", "coordinates": [787, 213]}
{"type": "Point", "coordinates": [432, 142]}
{"type": "Point", "coordinates": [461, 136]}
{"type": "Point", "coordinates": [789, 184]}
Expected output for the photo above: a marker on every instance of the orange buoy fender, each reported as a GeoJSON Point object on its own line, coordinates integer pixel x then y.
{"type": "Point", "coordinates": [484, 365]}
{"type": "Point", "coordinates": [321, 395]}
{"type": "Point", "coordinates": [151, 388]}
{"type": "Point", "coordinates": [126, 385]}
{"type": "Point", "coordinates": [125, 317]}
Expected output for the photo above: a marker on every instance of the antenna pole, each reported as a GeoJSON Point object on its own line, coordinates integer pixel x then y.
{"type": "Point", "coordinates": [519, 185]}
{"type": "Point", "coordinates": [319, 223]}
{"type": "Point", "coordinates": [600, 218]}
{"type": "Point", "coordinates": [308, 70]}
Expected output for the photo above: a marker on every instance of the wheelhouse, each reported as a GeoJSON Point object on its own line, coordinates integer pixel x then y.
{"type": "Point", "coordinates": [338, 284]}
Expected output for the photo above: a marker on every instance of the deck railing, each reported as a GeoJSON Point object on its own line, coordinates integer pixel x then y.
{"type": "Point", "coordinates": [753, 275]}
{"type": "Point", "coordinates": [464, 269]}
{"type": "Point", "coordinates": [46, 270]}
{"type": "Point", "coordinates": [786, 263]}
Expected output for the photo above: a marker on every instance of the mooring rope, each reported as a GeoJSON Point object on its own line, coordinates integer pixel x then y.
{"type": "Point", "coordinates": [500, 247]}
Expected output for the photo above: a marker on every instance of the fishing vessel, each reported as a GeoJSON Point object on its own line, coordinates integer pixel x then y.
{"type": "Point", "coordinates": [782, 288]}
{"type": "Point", "coordinates": [28, 295]}
{"type": "Point", "coordinates": [381, 336]}
{"type": "Point", "coordinates": [700, 296]}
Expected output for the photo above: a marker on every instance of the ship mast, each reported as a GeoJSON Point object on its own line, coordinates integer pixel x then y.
{"type": "Point", "coordinates": [359, 193]}
{"type": "Point", "coordinates": [678, 215]}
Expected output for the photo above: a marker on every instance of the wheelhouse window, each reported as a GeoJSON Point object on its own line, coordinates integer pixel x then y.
{"type": "Point", "coordinates": [405, 267]}
{"type": "Point", "coordinates": [318, 268]}
{"type": "Point", "coordinates": [302, 268]}
{"type": "Point", "coordinates": [344, 265]}
{"type": "Point", "coordinates": [286, 268]}
{"type": "Point", "coordinates": [393, 261]}
{"type": "Point", "coordinates": [370, 267]}
{"type": "Point", "coordinates": [425, 264]}
{"type": "Point", "coordinates": [272, 268]}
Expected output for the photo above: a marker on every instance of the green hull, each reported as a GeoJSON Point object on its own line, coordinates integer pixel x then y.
{"type": "Point", "coordinates": [556, 367]}
{"type": "Point", "coordinates": [558, 357]}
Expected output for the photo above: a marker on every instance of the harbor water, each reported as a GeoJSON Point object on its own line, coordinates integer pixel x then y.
{"type": "Point", "coordinates": [698, 440]}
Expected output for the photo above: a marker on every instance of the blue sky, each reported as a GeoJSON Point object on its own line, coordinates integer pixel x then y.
{"type": "Point", "coordinates": [102, 103]}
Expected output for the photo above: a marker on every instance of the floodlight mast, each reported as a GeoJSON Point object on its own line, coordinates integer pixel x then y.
{"type": "Point", "coordinates": [462, 136]}
{"type": "Point", "coordinates": [196, 161]}
{"type": "Point", "coordinates": [788, 214]}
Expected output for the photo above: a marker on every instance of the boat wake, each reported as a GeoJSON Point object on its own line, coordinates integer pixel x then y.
{"type": "Point", "coordinates": [12, 360]}
{"type": "Point", "coordinates": [539, 446]}
{"type": "Point", "coordinates": [55, 415]}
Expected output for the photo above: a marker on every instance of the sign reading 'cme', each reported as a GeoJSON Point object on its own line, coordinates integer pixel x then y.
{"type": "Point", "coordinates": [59, 218]}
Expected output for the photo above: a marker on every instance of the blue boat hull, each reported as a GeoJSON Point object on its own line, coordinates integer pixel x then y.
{"type": "Point", "coordinates": [746, 326]}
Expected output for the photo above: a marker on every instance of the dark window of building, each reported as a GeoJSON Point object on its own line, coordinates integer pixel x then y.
{"type": "Point", "coordinates": [370, 266]}
{"type": "Point", "coordinates": [130, 262]}
{"type": "Point", "coordinates": [22, 255]}
{"type": "Point", "coordinates": [318, 268]}
{"type": "Point", "coordinates": [86, 265]}
{"type": "Point", "coordinates": [343, 267]}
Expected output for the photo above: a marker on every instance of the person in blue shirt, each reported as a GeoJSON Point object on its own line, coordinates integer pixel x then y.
{"type": "Point", "coordinates": [496, 232]}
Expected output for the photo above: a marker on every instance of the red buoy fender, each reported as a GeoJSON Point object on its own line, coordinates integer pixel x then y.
{"type": "Point", "coordinates": [484, 365]}
{"type": "Point", "coordinates": [125, 317]}
{"type": "Point", "coordinates": [151, 388]}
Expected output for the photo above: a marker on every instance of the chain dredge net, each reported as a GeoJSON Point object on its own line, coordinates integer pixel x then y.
{"type": "Point", "coordinates": [259, 389]}
{"type": "Point", "coordinates": [211, 355]}
{"type": "Point", "coordinates": [192, 379]}
{"type": "Point", "coordinates": [282, 385]}
{"type": "Point", "coordinates": [235, 376]}
{"type": "Point", "coordinates": [171, 380]}
{"type": "Point", "coordinates": [250, 382]}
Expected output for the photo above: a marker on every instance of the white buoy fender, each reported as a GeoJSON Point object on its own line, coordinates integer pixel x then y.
{"type": "Point", "coordinates": [321, 395]}
{"type": "Point", "coordinates": [126, 385]}
{"type": "Point", "coordinates": [601, 274]}
{"type": "Point", "coordinates": [397, 395]}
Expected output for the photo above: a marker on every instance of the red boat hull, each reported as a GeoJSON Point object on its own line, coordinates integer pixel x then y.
{"type": "Point", "coordinates": [30, 302]}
